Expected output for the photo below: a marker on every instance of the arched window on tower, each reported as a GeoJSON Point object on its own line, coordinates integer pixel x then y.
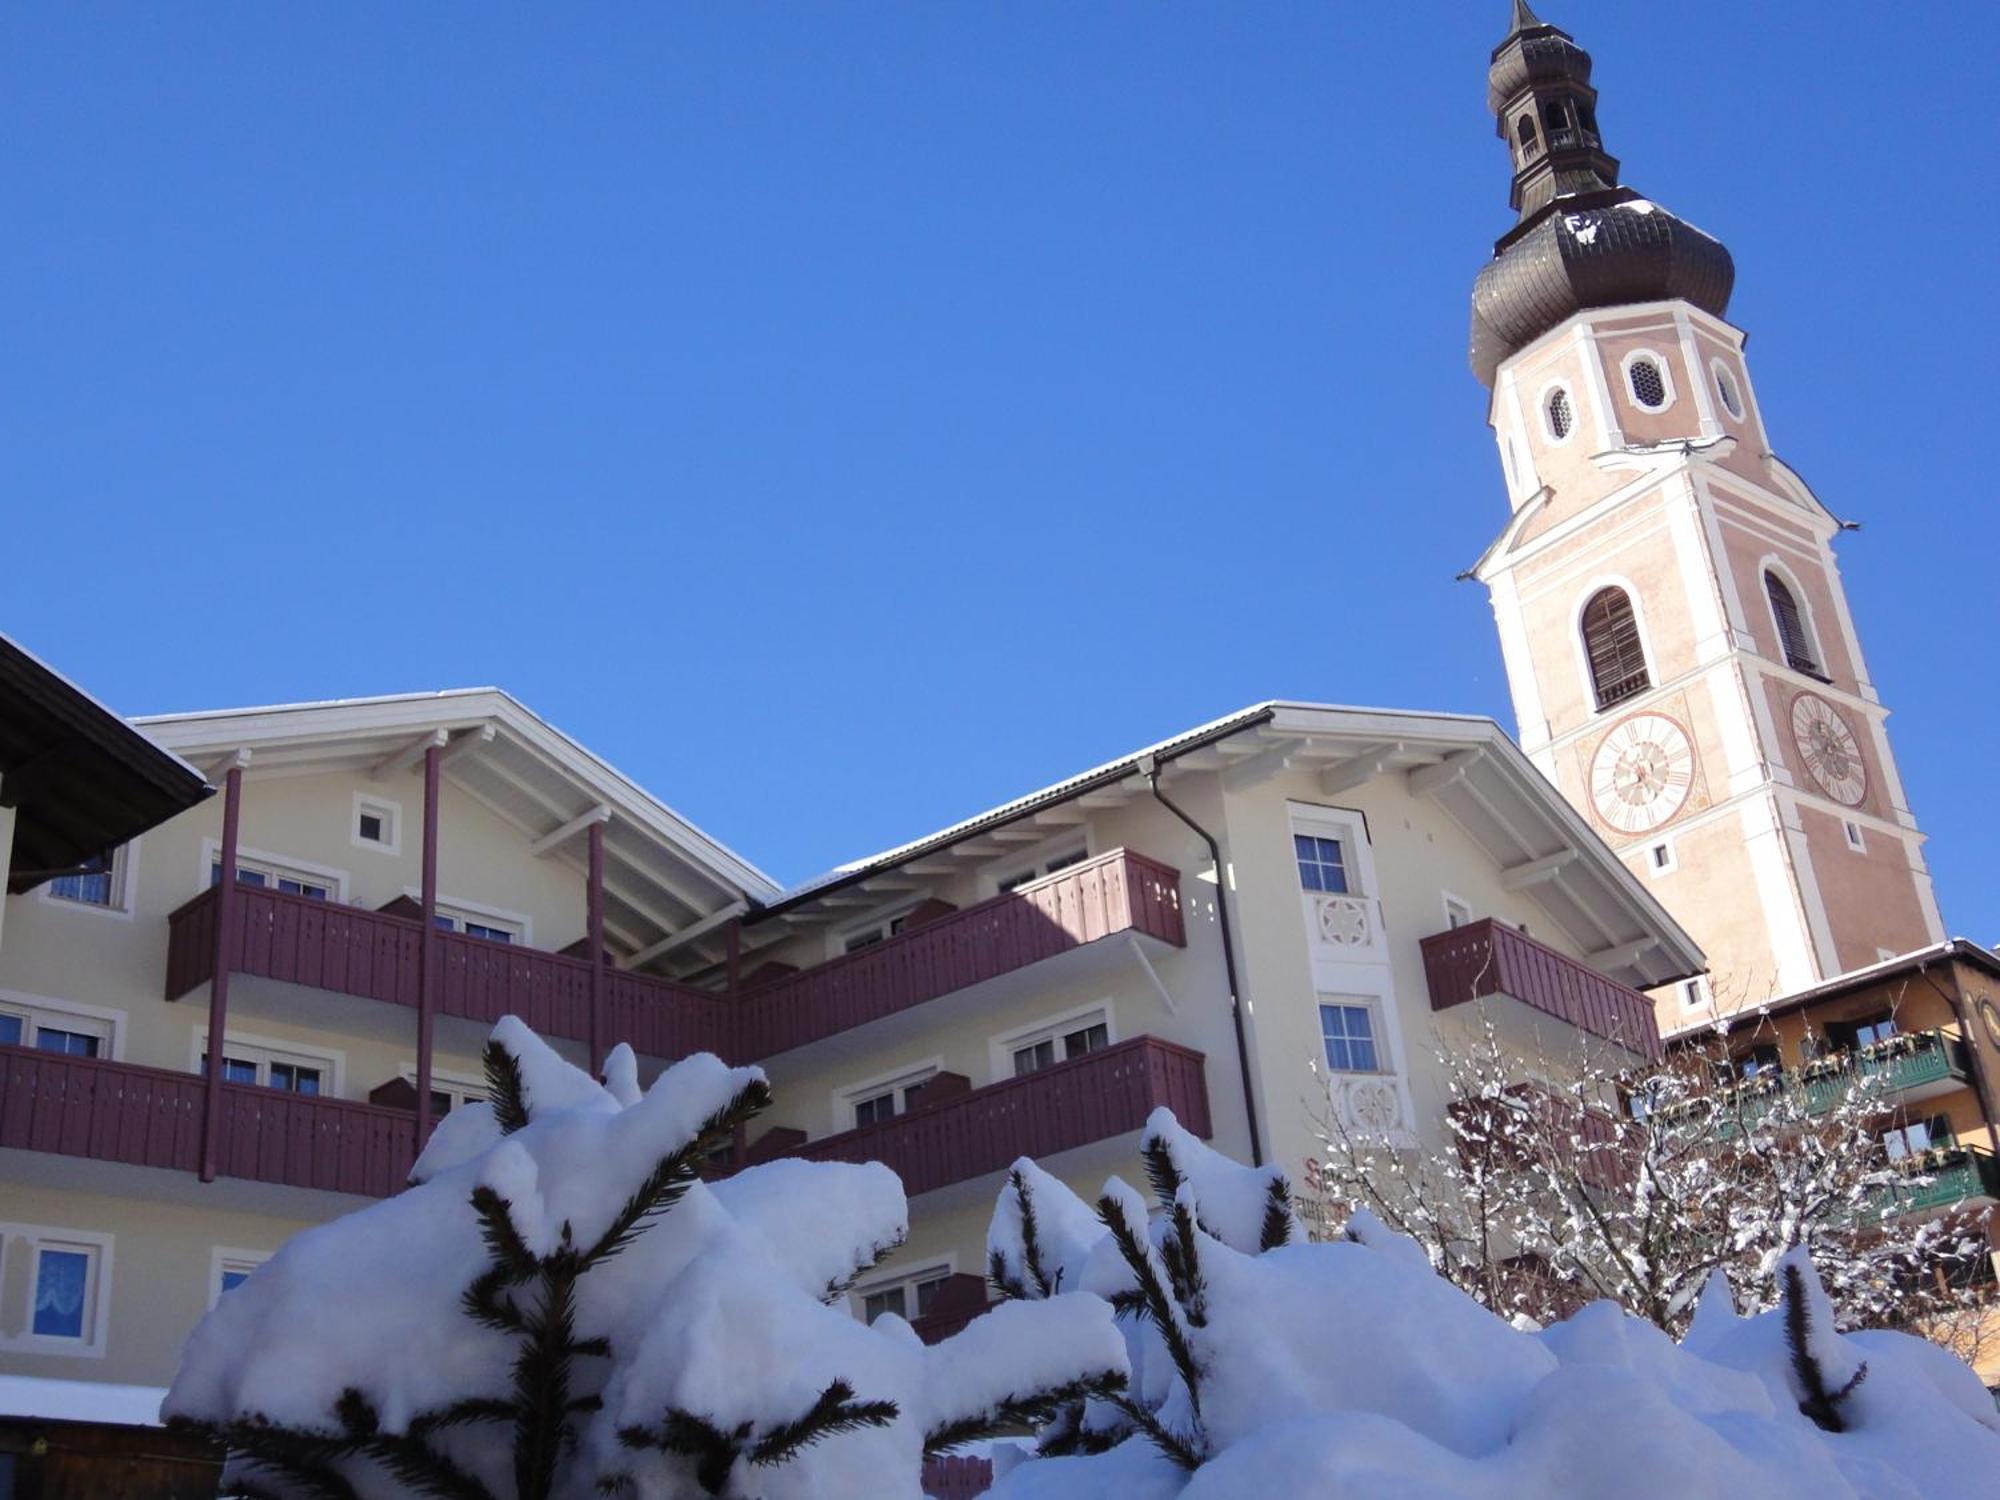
{"type": "Point", "coordinates": [1531, 143]}
{"type": "Point", "coordinates": [1611, 642]}
{"type": "Point", "coordinates": [1793, 635]}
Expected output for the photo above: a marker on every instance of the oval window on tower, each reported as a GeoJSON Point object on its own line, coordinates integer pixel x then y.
{"type": "Point", "coordinates": [1561, 417]}
{"type": "Point", "coordinates": [1649, 385]}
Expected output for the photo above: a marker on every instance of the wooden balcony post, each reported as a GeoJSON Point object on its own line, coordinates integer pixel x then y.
{"type": "Point", "coordinates": [427, 940]}
{"type": "Point", "coordinates": [594, 915]}
{"type": "Point", "coordinates": [218, 984]}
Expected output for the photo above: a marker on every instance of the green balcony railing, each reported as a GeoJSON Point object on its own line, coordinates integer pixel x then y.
{"type": "Point", "coordinates": [1941, 1178]}
{"type": "Point", "coordinates": [1887, 1068]}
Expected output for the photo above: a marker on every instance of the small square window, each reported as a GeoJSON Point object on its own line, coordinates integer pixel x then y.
{"type": "Point", "coordinates": [1322, 863]}
{"type": "Point", "coordinates": [1856, 840]}
{"type": "Point", "coordinates": [1456, 913]}
{"type": "Point", "coordinates": [1349, 1034]}
{"type": "Point", "coordinates": [13, 1029]}
{"type": "Point", "coordinates": [1089, 1039]}
{"type": "Point", "coordinates": [1691, 995]}
{"type": "Point", "coordinates": [873, 1111]}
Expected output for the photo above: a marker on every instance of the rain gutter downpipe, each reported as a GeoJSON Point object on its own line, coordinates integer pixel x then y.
{"type": "Point", "coordinates": [1149, 767]}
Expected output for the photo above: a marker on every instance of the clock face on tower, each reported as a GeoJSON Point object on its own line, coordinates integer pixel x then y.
{"type": "Point", "coordinates": [1829, 749]}
{"type": "Point", "coordinates": [1642, 772]}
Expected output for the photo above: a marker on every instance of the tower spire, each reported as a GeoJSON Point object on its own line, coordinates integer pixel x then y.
{"type": "Point", "coordinates": [1576, 244]}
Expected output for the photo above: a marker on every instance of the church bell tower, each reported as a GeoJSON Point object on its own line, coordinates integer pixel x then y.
{"type": "Point", "coordinates": [1683, 662]}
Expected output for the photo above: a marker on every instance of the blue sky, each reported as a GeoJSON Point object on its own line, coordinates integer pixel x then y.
{"type": "Point", "coordinates": [843, 417]}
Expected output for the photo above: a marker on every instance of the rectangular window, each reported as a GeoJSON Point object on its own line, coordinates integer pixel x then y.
{"type": "Point", "coordinates": [877, 932]}
{"type": "Point", "coordinates": [911, 1297]}
{"type": "Point", "coordinates": [1034, 1057]}
{"type": "Point", "coordinates": [1660, 858]}
{"type": "Point", "coordinates": [1349, 1034]}
{"type": "Point", "coordinates": [1456, 913]}
{"type": "Point", "coordinates": [1046, 1052]}
{"type": "Point", "coordinates": [264, 876]}
{"type": "Point", "coordinates": [50, 1030]}
{"type": "Point", "coordinates": [98, 881]}
{"type": "Point", "coordinates": [1041, 869]}
{"type": "Point", "coordinates": [492, 929]}
{"type": "Point", "coordinates": [1917, 1137]}
{"type": "Point", "coordinates": [268, 1067]}
{"type": "Point", "coordinates": [63, 1276]}
{"type": "Point", "coordinates": [1757, 1061]}
{"type": "Point", "coordinates": [1322, 862]}
{"type": "Point", "coordinates": [1856, 840]}
{"type": "Point", "coordinates": [1847, 1036]}
{"type": "Point", "coordinates": [873, 1103]}
{"type": "Point", "coordinates": [1691, 995]}
{"type": "Point", "coordinates": [64, 1279]}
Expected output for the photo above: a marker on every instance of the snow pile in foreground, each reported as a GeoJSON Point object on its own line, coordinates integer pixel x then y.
{"type": "Point", "coordinates": [513, 1326]}
{"type": "Point", "coordinates": [1351, 1370]}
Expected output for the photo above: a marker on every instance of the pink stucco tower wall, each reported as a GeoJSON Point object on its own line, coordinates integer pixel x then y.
{"type": "Point", "coordinates": [1682, 657]}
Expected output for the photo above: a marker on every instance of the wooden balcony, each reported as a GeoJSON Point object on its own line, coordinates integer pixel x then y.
{"type": "Point", "coordinates": [1116, 892]}
{"type": "Point", "coordinates": [1488, 958]}
{"type": "Point", "coordinates": [150, 1117]}
{"type": "Point", "coordinates": [971, 1134]}
{"type": "Point", "coordinates": [375, 955]}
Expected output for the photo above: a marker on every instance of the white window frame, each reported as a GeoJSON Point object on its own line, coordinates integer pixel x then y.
{"type": "Point", "coordinates": [942, 1268]}
{"type": "Point", "coordinates": [265, 1050]}
{"type": "Point", "coordinates": [463, 1088]}
{"type": "Point", "coordinates": [477, 911]}
{"type": "Point", "coordinates": [335, 880]}
{"type": "Point", "coordinates": [228, 1258]}
{"type": "Point", "coordinates": [1034, 863]}
{"type": "Point", "coordinates": [1378, 1033]}
{"type": "Point", "coordinates": [1542, 401]}
{"type": "Point", "coordinates": [1590, 591]}
{"type": "Point", "coordinates": [36, 1238]}
{"type": "Point", "coordinates": [124, 883]}
{"type": "Point", "coordinates": [1856, 837]}
{"type": "Point", "coordinates": [391, 814]}
{"type": "Point", "coordinates": [1667, 383]}
{"type": "Point", "coordinates": [97, 1019]}
{"type": "Point", "coordinates": [1694, 992]}
{"type": "Point", "coordinates": [1655, 867]}
{"type": "Point", "coordinates": [1322, 820]}
{"type": "Point", "coordinates": [1001, 1049]}
{"type": "Point", "coordinates": [908, 1076]}
{"type": "Point", "coordinates": [1728, 382]}
{"type": "Point", "coordinates": [1455, 906]}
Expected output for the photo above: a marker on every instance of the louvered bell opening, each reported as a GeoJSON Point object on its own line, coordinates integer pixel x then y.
{"type": "Point", "coordinates": [1611, 640]}
{"type": "Point", "coordinates": [1792, 635]}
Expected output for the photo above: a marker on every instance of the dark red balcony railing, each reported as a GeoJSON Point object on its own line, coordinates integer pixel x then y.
{"type": "Point", "coordinates": [957, 1476]}
{"type": "Point", "coordinates": [1116, 892]}
{"type": "Point", "coordinates": [323, 945]}
{"type": "Point", "coordinates": [967, 1135]}
{"type": "Point", "coordinates": [375, 955]}
{"type": "Point", "coordinates": [1490, 958]}
{"type": "Point", "coordinates": [150, 1117]}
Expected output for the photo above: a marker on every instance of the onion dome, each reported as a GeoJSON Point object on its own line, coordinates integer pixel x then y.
{"type": "Point", "coordinates": [1583, 240]}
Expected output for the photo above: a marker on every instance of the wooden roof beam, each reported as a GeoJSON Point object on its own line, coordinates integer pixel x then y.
{"type": "Point", "coordinates": [408, 757]}
{"type": "Point", "coordinates": [1538, 871]}
{"type": "Point", "coordinates": [556, 837]}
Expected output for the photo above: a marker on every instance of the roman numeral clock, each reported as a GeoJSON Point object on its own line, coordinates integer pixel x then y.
{"type": "Point", "coordinates": [1641, 773]}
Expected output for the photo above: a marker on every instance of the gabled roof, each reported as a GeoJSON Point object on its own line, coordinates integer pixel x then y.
{"type": "Point", "coordinates": [80, 779]}
{"type": "Point", "coordinates": [664, 875]}
{"type": "Point", "coordinates": [1467, 762]}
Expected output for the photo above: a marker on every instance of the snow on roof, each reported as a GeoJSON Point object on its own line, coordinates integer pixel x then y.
{"type": "Point", "coordinates": [80, 1401]}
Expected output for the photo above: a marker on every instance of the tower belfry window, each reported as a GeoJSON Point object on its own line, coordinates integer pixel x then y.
{"type": "Point", "coordinates": [1793, 636]}
{"type": "Point", "coordinates": [1649, 386]}
{"type": "Point", "coordinates": [1561, 417]}
{"type": "Point", "coordinates": [1611, 642]}
{"type": "Point", "coordinates": [1531, 141]}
